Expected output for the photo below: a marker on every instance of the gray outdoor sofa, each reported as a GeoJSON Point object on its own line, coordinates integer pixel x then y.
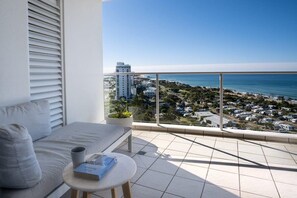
{"type": "Point", "coordinates": [53, 154]}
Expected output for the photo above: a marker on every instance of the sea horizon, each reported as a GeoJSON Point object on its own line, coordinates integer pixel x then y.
{"type": "Point", "coordinates": [265, 84]}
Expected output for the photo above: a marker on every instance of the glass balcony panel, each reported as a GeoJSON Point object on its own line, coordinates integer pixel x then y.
{"type": "Point", "coordinates": [143, 101]}
{"type": "Point", "coordinates": [261, 102]}
{"type": "Point", "coordinates": [109, 92]}
{"type": "Point", "coordinates": [139, 91]}
{"type": "Point", "coordinates": [189, 99]}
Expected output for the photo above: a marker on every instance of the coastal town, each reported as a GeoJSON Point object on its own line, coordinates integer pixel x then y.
{"type": "Point", "coordinates": [183, 104]}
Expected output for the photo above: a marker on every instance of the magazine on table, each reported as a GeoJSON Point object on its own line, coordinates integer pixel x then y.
{"type": "Point", "coordinates": [95, 167]}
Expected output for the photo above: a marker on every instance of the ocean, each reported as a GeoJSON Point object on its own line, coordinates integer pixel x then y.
{"type": "Point", "coordinates": [266, 84]}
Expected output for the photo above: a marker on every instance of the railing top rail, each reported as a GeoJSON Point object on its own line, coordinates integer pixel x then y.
{"type": "Point", "coordinates": [225, 72]}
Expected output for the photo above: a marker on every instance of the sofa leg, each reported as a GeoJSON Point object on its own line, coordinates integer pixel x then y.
{"type": "Point", "coordinates": [130, 143]}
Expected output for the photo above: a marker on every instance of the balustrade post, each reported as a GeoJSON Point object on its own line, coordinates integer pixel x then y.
{"type": "Point", "coordinates": [157, 100]}
{"type": "Point", "coordinates": [221, 101]}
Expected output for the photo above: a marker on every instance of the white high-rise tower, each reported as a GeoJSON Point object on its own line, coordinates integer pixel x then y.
{"type": "Point", "coordinates": [123, 81]}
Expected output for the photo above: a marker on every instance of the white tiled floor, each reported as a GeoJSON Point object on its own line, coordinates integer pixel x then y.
{"type": "Point", "coordinates": [179, 165]}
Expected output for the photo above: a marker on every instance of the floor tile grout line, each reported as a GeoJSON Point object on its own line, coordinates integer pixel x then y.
{"type": "Point", "coordinates": [258, 195]}
{"type": "Point", "coordinates": [277, 149]}
{"type": "Point", "coordinates": [155, 189]}
{"type": "Point", "coordinates": [161, 172]}
{"type": "Point", "coordinates": [285, 158]}
{"type": "Point", "coordinates": [172, 194]}
{"type": "Point", "coordinates": [176, 169]}
{"type": "Point", "coordinates": [146, 156]}
{"type": "Point", "coordinates": [148, 187]}
{"type": "Point", "coordinates": [207, 171]}
{"type": "Point", "coordinates": [153, 161]}
{"type": "Point", "coordinates": [222, 151]}
{"type": "Point", "coordinates": [128, 151]}
{"type": "Point", "coordinates": [271, 174]}
{"type": "Point", "coordinates": [291, 155]}
{"type": "Point", "coordinates": [251, 153]}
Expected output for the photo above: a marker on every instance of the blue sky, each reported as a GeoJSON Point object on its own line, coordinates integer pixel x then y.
{"type": "Point", "coordinates": [198, 32]}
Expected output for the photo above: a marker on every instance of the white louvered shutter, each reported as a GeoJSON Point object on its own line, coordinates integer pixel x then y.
{"type": "Point", "coordinates": [45, 53]}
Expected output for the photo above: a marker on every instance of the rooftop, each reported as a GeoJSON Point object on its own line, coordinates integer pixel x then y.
{"type": "Point", "coordinates": [215, 120]}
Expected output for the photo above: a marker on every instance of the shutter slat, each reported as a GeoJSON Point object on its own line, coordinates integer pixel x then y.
{"type": "Point", "coordinates": [39, 30]}
{"type": "Point", "coordinates": [43, 59]}
{"type": "Point", "coordinates": [46, 89]}
{"type": "Point", "coordinates": [45, 7]}
{"type": "Point", "coordinates": [50, 4]}
{"type": "Point", "coordinates": [40, 63]}
{"type": "Point", "coordinates": [55, 99]}
{"type": "Point", "coordinates": [42, 50]}
{"type": "Point", "coordinates": [44, 18]}
{"type": "Point", "coordinates": [56, 124]}
{"type": "Point", "coordinates": [46, 78]}
{"type": "Point", "coordinates": [38, 70]}
{"type": "Point", "coordinates": [45, 83]}
{"type": "Point", "coordinates": [56, 117]}
{"type": "Point", "coordinates": [56, 105]}
{"type": "Point", "coordinates": [44, 25]}
{"type": "Point", "coordinates": [56, 111]}
{"type": "Point", "coordinates": [40, 56]}
{"type": "Point", "coordinates": [45, 44]}
{"type": "Point", "coordinates": [46, 95]}
{"type": "Point", "coordinates": [44, 12]}
{"type": "Point", "coordinates": [45, 38]}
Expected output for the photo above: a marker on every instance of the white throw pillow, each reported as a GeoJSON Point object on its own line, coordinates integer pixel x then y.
{"type": "Point", "coordinates": [19, 167]}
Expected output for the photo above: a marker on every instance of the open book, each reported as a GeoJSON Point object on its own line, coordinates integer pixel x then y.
{"type": "Point", "coordinates": [95, 167]}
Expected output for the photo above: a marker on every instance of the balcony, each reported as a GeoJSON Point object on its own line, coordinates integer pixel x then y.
{"type": "Point", "coordinates": [191, 159]}
{"type": "Point", "coordinates": [178, 154]}
{"type": "Point", "coordinates": [184, 165]}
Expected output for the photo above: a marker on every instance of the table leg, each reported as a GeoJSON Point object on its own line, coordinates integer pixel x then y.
{"type": "Point", "coordinates": [114, 193]}
{"type": "Point", "coordinates": [130, 143]}
{"type": "Point", "coordinates": [127, 190]}
{"type": "Point", "coordinates": [87, 195]}
{"type": "Point", "coordinates": [74, 193]}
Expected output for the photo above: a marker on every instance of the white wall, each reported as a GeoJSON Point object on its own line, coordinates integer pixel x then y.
{"type": "Point", "coordinates": [14, 63]}
{"type": "Point", "coordinates": [83, 60]}
{"type": "Point", "coordinates": [83, 57]}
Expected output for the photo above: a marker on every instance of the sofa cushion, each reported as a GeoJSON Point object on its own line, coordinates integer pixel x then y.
{"type": "Point", "coordinates": [35, 116]}
{"type": "Point", "coordinates": [19, 167]}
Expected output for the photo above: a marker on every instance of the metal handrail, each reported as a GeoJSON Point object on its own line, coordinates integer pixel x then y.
{"type": "Point", "coordinates": [222, 72]}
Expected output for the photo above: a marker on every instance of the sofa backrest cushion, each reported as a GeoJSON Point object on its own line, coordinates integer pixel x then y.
{"type": "Point", "coordinates": [19, 167]}
{"type": "Point", "coordinates": [35, 116]}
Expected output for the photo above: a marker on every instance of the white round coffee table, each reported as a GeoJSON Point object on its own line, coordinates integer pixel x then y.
{"type": "Point", "coordinates": [119, 175]}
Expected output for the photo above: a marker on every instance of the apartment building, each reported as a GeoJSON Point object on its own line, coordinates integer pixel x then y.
{"type": "Point", "coordinates": [123, 81]}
